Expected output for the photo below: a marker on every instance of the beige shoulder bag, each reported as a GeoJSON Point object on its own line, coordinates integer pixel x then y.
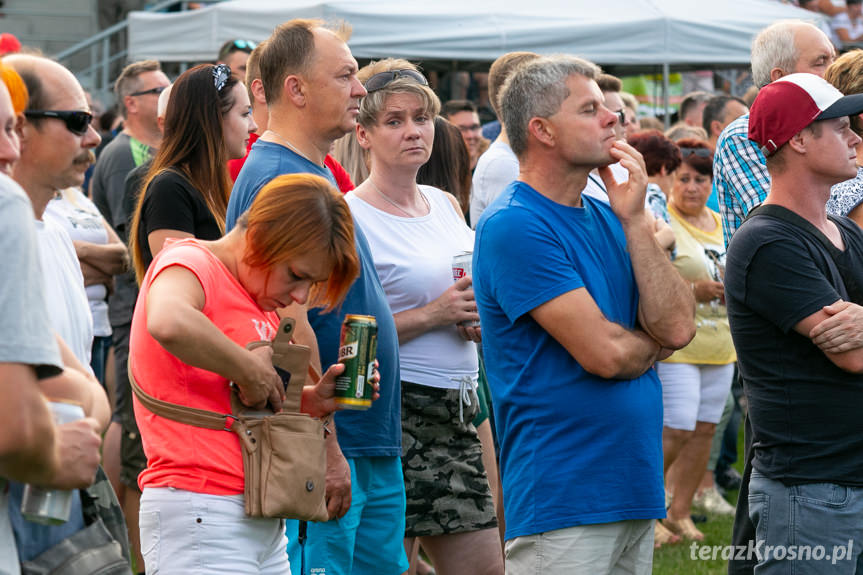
{"type": "Point", "coordinates": [284, 454]}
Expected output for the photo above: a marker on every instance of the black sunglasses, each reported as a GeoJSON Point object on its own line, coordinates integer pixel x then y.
{"type": "Point", "coordinates": [76, 121]}
{"type": "Point", "coordinates": [382, 79]}
{"type": "Point", "coordinates": [699, 152]}
{"type": "Point", "coordinates": [157, 90]}
{"type": "Point", "coordinates": [621, 116]}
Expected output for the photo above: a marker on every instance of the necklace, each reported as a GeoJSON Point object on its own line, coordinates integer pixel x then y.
{"type": "Point", "coordinates": [393, 202]}
{"type": "Point", "coordinates": [293, 147]}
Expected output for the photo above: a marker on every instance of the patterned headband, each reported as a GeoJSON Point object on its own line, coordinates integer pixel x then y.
{"type": "Point", "coordinates": [221, 73]}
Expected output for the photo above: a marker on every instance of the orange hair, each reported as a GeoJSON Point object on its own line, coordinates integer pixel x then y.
{"type": "Point", "coordinates": [16, 87]}
{"type": "Point", "coordinates": [300, 214]}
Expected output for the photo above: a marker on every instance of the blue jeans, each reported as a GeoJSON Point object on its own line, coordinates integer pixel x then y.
{"type": "Point", "coordinates": [812, 528]}
{"type": "Point", "coordinates": [99, 356]}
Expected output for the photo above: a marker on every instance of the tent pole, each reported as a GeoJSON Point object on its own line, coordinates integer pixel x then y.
{"type": "Point", "coordinates": [666, 89]}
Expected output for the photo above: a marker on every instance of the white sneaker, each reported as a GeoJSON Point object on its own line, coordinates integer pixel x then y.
{"type": "Point", "coordinates": [711, 501]}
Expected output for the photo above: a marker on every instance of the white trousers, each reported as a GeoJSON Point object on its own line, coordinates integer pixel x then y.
{"type": "Point", "coordinates": [190, 533]}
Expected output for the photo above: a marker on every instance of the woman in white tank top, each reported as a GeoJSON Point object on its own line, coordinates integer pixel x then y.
{"type": "Point", "coordinates": [414, 232]}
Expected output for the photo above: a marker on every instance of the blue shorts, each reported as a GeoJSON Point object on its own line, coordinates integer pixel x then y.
{"type": "Point", "coordinates": [369, 538]}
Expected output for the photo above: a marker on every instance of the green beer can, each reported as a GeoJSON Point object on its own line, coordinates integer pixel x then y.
{"type": "Point", "coordinates": [357, 350]}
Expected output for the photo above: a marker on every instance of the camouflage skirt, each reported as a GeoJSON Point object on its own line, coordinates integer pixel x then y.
{"type": "Point", "coordinates": [445, 483]}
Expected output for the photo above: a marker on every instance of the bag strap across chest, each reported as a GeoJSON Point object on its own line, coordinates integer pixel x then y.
{"type": "Point", "coordinates": [291, 362]}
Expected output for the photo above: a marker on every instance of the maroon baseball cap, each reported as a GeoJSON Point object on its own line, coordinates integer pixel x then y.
{"type": "Point", "coordinates": [786, 106]}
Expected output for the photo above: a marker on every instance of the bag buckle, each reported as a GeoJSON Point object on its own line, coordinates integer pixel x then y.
{"type": "Point", "coordinates": [229, 422]}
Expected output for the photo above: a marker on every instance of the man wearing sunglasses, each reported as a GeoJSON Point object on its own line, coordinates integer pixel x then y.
{"type": "Point", "coordinates": [312, 92]}
{"type": "Point", "coordinates": [235, 54]}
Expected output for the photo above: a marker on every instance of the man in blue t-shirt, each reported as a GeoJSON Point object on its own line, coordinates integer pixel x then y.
{"type": "Point", "coordinates": [312, 92]}
{"type": "Point", "coordinates": [577, 301]}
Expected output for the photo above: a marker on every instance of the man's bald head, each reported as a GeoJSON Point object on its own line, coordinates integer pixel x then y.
{"type": "Point", "coordinates": [56, 149]}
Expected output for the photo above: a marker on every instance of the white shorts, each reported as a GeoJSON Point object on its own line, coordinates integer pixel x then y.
{"type": "Point", "coordinates": [194, 533]}
{"type": "Point", "coordinates": [693, 392]}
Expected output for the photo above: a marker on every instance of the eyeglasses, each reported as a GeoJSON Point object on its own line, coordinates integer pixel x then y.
{"type": "Point", "coordinates": [157, 90]}
{"type": "Point", "coordinates": [621, 117]}
{"type": "Point", "coordinates": [382, 79]}
{"type": "Point", "coordinates": [76, 121]}
{"type": "Point", "coordinates": [699, 152]}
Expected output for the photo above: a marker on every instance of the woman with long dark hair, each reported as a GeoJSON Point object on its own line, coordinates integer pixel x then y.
{"type": "Point", "coordinates": [207, 123]}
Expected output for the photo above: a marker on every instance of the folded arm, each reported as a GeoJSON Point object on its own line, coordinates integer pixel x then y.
{"type": "Point", "coordinates": [110, 258]}
{"type": "Point", "coordinates": [602, 347]}
{"type": "Point", "coordinates": [837, 330]}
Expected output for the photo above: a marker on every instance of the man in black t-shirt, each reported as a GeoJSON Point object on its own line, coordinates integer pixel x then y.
{"type": "Point", "coordinates": [793, 284]}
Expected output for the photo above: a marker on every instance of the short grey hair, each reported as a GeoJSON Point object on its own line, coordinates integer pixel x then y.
{"type": "Point", "coordinates": [128, 81]}
{"type": "Point", "coordinates": [537, 89]}
{"type": "Point", "coordinates": [774, 47]}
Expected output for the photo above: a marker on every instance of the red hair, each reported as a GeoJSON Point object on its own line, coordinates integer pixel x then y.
{"type": "Point", "coordinates": [300, 214]}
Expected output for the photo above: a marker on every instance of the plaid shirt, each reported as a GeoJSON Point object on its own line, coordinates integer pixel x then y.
{"type": "Point", "coordinates": [740, 178]}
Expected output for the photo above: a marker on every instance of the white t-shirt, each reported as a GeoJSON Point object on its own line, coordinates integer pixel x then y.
{"type": "Point", "coordinates": [68, 309]}
{"type": "Point", "coordinates": [83, 222]}
{"type": "Point", "coordinates": [413, 258]}
{"type": "Point", "coordinates": [495, 170]}
{"type": "Point", "coordinates": [595, 187]}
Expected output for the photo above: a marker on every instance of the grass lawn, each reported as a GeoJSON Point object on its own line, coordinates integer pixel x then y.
{"type": "Point", "coordinates": [677, 559]}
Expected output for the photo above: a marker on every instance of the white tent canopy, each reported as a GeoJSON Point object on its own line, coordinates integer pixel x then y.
{"type": "Point", "coordinates": [633, 33]}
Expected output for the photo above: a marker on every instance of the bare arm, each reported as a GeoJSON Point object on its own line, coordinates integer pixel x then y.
{"type": "Point", "coordinates": [601, 347]}
{"type": "Point", "coordinates": [827, 7]}
{"type": "Point", "coordinates": [664, 235]}
{"type": "Point", "coordinates": [95, 276]}
{"type": "Point", "coordinates": [32, 449]}
{"type": "Point", "coordinates": [454, 305]}
{"type": "Point", "coordinates": [156, 239]}
{"type": "Point", "coordinates": [111, 258]}
{"type": "Point", "coordinates": [666, 309]}
{"type": "Point", "coordinates": [841, 330]}
{"type": "Point", "coordinates": [845, 36]}
{"type": "Point", "coordinates": [27, 439]}
{"type": "Point", "coordinates": [175, 320]}
{"type": "Point", "coordinates": [77, 384]}
{"type": "Point", "coordinates": [850, 360]}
